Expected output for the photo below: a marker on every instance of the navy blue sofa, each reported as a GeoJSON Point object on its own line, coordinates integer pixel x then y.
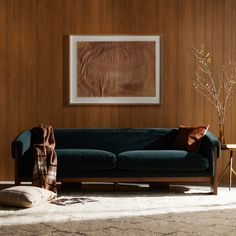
{"type": "Point", "coordinates": [122, 155]}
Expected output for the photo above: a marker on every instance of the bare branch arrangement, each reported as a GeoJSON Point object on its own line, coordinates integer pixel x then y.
{"type": "Point", "coordinates": [219, 93]}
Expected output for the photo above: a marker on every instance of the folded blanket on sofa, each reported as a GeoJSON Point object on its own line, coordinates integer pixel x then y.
{"type": "Point", "coordinates": [45, 166]}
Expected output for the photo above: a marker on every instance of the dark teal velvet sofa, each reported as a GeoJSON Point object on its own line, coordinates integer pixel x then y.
{"type": "Point", "coordinates": [122, 155]}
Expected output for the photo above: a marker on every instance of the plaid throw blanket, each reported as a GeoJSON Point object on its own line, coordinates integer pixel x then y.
{"type": "Point", "coordinates": [45, 166]}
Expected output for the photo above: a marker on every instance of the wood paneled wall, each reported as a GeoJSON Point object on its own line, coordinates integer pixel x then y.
{"type": "Point", "coordinates": [31, 63]}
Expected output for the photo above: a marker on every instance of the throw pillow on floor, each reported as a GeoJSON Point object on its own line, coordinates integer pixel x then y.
{"type": "Point", "coordinates": [25, 196]}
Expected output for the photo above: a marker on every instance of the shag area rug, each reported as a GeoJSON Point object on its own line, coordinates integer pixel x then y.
{"type": "Point", "coordinates": [177, 211]}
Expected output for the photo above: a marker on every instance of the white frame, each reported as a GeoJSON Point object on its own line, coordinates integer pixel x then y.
{"type": "Point", "coordinates": [74, 99]}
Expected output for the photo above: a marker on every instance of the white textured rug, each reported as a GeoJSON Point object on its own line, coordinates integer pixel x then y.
{"type": "Point", "coordinates": [119, 204]}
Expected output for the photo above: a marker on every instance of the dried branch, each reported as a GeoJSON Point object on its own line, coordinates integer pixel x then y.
{"type": "Point", "coordinates": [219, 94]}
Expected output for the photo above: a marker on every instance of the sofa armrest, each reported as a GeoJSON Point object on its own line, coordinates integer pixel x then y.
{"type": "Point", "coordinates": [21, 144]}
{"type": "Point", "coordinates": [212, 142]}
{"type": "Point", "coordinates": [210, 147]}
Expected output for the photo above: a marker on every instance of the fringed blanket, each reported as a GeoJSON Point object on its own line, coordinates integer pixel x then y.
{"type": "Point", "coordinates": [45, 166]}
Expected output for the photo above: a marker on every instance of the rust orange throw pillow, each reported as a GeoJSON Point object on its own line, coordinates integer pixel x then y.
{"type": "Point", "coordinates": [189, 137]}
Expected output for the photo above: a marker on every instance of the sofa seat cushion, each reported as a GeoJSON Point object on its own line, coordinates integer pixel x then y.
{"type": "Point", "coordinates": [85, 159]}
{"type": "Point", "coordinates": [164, 160]}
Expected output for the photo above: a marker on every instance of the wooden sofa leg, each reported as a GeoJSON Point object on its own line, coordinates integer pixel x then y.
{"type": "Point", "coordinates": [159, 185]}
{"type": "Point", "coordinates": [17, 180]}
{"type": "Point", "coordinates": [214, 186]}
{"type": "Point", "coordinates": [71, 185]}
{"type": "Point", "coordinates": [214, 179]}
{"type": "Point", "coordinates": [115, 186]}
{"type": "Point", "coordinates": [17, 172]}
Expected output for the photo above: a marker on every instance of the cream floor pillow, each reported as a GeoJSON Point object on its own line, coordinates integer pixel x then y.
{"type": "Point", "coordinates": [25, 196]}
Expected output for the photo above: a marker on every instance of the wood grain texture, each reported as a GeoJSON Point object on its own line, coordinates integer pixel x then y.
{"type": "Point", "coordinates": [186, 37]}
{"type": "Point", "coordinates": [170, 64]}
{"type": "Point", "coordinates": [199, 108]}
{"type": "Point", "coordinates": [5, 162]}
{"type": "Point", "coordinates": [227, 52]}
{"type": "Point", "coordinates": [233, 53]}
{"type": "Point", "coordinates": [32, 71]}
{"type": "Point", "coordinates": [218, 12]}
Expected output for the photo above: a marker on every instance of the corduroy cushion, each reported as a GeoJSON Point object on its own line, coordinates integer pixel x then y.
{"type": "Point", "coordinates": [25, 196]}
{"type": "Point", "coordinates": [189, 137]}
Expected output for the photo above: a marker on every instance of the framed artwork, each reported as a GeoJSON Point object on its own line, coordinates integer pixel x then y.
{"type": "Point", "coordinates": [114, 69]}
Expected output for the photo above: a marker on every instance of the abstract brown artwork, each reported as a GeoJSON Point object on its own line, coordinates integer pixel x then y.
{"type": "Point", "coordinates": [116, 69]}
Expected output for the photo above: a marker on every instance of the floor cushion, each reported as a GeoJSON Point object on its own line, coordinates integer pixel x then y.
{"type": "Point", "coordinates": [25, 196]}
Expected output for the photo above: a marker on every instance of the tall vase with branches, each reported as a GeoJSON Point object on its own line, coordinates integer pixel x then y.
{"type": "Point", "coordinates": [219, 93]}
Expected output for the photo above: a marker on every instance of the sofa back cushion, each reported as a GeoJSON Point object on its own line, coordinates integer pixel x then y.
{"type": "Point", "coordinates": [115, 140]}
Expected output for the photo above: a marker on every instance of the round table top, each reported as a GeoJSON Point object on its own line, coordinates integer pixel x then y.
{"type": "Point", "coordinates": [228, 146]}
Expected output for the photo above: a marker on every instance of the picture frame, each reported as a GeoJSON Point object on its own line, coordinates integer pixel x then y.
{"type": "Point", "coordinates": [114, 69]}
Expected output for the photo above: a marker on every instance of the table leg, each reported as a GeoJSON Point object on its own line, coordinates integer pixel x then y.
{"type": "Point", "coordinates": [230, 169]}
{"type": "Point", "coordinates": [224, 171]}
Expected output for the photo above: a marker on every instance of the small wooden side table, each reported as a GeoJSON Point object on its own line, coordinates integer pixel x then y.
{"type": "Point", "coordinates": [231, 148]}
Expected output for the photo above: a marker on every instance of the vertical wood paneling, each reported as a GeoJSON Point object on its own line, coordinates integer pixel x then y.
{"type": "Point", "coordinates": [28, 68]}
{"type": "Point", "coordinates": [186, 37]}
{"type": "Point", "coordinates": [199, 100]}
{"type": "Point", "coordinates": [218, 45]}
{"type": "Point", "coordinates": [73, 13]}
{"type": "Point", "coordinates": [233, 54]}
{"type": "Point", "coordinates": [14, 89]}
{"type": "Point", "coordinates": [227, 52]}
{"type": "Point", "coordinates": [4, 164]}
{"type": "Point", "coordinates": [31, 62]}
{"type": "Point", "coordinates": [50, 32]}
{"type": "Point", "coordinates": [170, 64]}
{"type": "Point", "coordinates": [218, 55]}
{"type": "Point", "coordinates": [208, 30]}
